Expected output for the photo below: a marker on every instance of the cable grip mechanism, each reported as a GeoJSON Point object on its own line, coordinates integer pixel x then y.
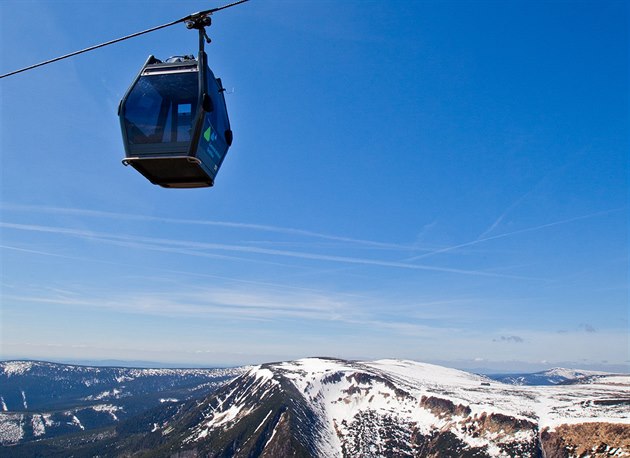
{"type": "Point", "coordinates": [200, 21]}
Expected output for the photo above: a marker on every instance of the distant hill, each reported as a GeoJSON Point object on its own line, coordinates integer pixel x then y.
{"type": "Point", "coordinates": [555, 376]}
{"type": "Point", "coordinates": [319, 407]}
{"type": "Point", "coordinates": [41, 399]}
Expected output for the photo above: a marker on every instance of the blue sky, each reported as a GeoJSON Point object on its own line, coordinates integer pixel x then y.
{"type": "Point", "coordinates": [438, 181]}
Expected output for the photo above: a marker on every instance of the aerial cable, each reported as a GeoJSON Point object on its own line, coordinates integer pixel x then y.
{"type": "Point", "coordinates": [190, 17]}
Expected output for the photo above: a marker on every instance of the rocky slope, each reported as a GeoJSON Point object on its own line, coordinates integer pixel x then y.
{"type": "Point", "coordinates": [331, 408]}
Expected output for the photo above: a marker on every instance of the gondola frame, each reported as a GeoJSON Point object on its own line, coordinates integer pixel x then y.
{"type": "Point", "coordinates": [198, 164]}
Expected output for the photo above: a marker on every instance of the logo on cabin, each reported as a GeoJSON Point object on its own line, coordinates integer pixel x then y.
{"type": "Point", "coordinates": [209, 134]}
{"type": "Point", "coordinates": [210, 137]}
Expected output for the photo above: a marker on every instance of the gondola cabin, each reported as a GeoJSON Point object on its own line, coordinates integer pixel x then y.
{"type": "Point", "coordinates": [174, 123]}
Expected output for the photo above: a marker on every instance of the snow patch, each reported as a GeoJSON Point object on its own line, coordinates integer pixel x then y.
{"type": "Point", "coordinates": [48, 422]}
{"type": "Point", "coordinates": [114, 393]}
{"type": "Point", "coordinates": [108, 408]}
{"type": "Point", "coordinates": [263, 374]}
{"type": "Point", "coordinates": [275, 429]}
{"type": "Point", "coordinates": [39, 428]}
{"type": "Point", "coordinates": [225, 417]}
{"type": "Point", "coordinates": [11, 428]}
{"type": "Point", "coordinates": [428, 374]}
{"type": "Point", "coordinates": [11, 368]}
{"type": "Point", "coordinates": [263, 422]}
{"type": "Point", "coordinates": [613, 380]}
{"type": "Point", "coordinates": [75, 421]}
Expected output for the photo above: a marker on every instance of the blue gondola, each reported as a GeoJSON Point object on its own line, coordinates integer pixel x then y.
{"type": "Point", "coordinates": [174, 122]}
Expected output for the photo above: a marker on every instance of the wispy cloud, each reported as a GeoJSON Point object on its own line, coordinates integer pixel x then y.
{"type": "Point", "coordinates": [172, 305]}
{"type": "Point", "coordinates": [231, 303]}
{"type": "Point", "coordinates": [255, 309]}
{"type": "Point", "coordinates": [234, 225]}
{"type": "Point", "coordinates": [38, 252]}
{"type": "Point", "coordinates": [513, 233]}
{"type": "Point", "coordinates": [426, 229]}
{"type": "Point", "coordinates": [191, 246]}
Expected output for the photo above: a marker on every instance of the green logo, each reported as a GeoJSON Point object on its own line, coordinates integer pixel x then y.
{"type": "Point", "coordinates": [207, 133]}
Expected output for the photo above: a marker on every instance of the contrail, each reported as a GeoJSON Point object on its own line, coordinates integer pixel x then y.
{"type": "Point", "coordinates": [90, 235]}
{"type": "Point", "coordinates": [250, 226]}
{"type": "Point", "coordinates": [509, 234]}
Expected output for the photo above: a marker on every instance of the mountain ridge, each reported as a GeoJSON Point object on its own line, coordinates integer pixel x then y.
{"type": "Point", "coordinates": [553, 376]}
{"type": "Point", "coordinates": [331, 408]}
{"type": "Point", "coordinates": [40, 399]}
{"type": "Point", "coordinates": [328, 407]}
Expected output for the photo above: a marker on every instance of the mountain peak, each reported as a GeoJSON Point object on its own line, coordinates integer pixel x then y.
{"type": "Point", "coordinates": [390, 407]}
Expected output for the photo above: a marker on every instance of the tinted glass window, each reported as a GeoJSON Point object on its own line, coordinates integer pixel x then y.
{"type": "Point", "coordinates": [221, 122]}
{"type": "Point", "coordinates": [218, 117]}
{"type": "Point", "coordinates": [161, 108]}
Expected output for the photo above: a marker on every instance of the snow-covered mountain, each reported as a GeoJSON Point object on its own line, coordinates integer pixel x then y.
{"type": "Point", "coordinates": [319, 407]}
{"type": "Point", "coordinates": [555, 376]}
{"type": "Point", "coordinates": [331, 408]}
